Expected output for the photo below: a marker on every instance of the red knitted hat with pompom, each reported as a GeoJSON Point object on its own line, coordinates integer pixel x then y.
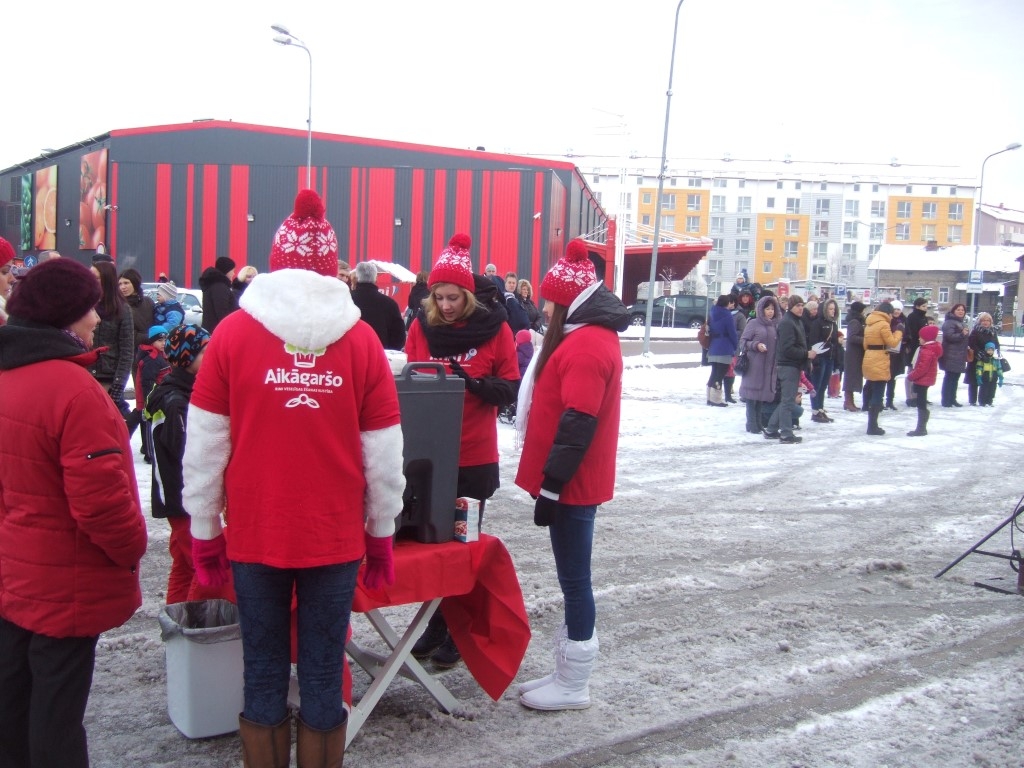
{"type": "Point", "coordinates": [305, 240]}
{"type": "Point", "coordinates": [454, 264]}
{"type": "Point", "coordinates": [6, 251]}
{"type": "Point", "coordinates": [571, 275]}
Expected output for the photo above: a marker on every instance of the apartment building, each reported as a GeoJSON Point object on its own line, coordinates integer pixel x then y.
{"type": "Point", "coordinates": [796, 226]}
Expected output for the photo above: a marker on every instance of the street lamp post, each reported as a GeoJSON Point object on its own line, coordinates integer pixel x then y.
{"type": "Point", "coordinates": [284, 37]}
{"type": "Point", "coordinates": [661, 188]}
{"type": "Point", "coordinates": [977, 210]}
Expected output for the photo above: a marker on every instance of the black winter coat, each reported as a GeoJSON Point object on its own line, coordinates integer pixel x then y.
{"type": "Point", "coordinates": [167, 408]}
{"type": "Point", "coordinates": [381, 313]}
{"type": "Point", "coordinates": [791, 349]}
{"type": "Point", "coordinates": [218, 299]}
{"type": "Point", "coordinates": [114, 365]}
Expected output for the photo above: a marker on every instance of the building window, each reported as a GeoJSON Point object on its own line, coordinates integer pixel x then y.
{"type": "Point", "coordinates": [943, 295]}
{"type": "Point", "coordinates": [821, 250]}
{"type": "Point", "coordinates": [645, 219]}
{"type": "Point", "coordinates": [824, 186]}
{"type": "Point", "coordinates": [692, 202]}
{"type": "Point", "coordinates": [742, 183]}
{"type": "Point", "coordinates": [640, 181]}
{"type": "Point", "coordinates": [935, 190]}
{"type": "Point", "coordinates": [877, 231]}
{"type": "Point", "coordinates": [902, 231]}
{"type": "Point", "coordinates": [792, 205]}
{"type": "Point", "coordinates": [852, 208]}
{"type": "Point", "coordinates": [850, 229]}
{"type": "Point", "coordinates": [715, 267]}
{"type": "Point", "coordinates": [743, 205]}
{"type": "Point", "coordinates": [717, 244]}
{"type": "Point", "coordinates": [672, 181]}
{"type": "Point", "coordinates": [856, 187]}
{"type": "Point", "coordinates": [778, 185]}
{"type": "Point", "coordinates": [956, 212]}
{"type": "Point", "coordinates": [743, 247]}
{"type": "Point", "coordinates": [929, 210]}
{"type": "Point", "coordinates": [818, 271]}
{"type": "Point", "coordinates": [849, 250]}
{"type": "Point", "coordinates": [792, 227]}
{"type": "Point", "coordinates": [956, 233]}
{"type": "Point", "coordinates": [878, 208]}
{"type": "Point", "coordinates": [629, 200]}
{"type": "Point", "coordinates": [769, 246]}
{"type": "Point", "coordinates": [598, 195]}
{"type": "Point", "coordinates": [952, 191]}
{"type": "Point", "coordinates": [718, 203]}
{"type": "Point", "coordinates": [693, 224]}
{"type": "Point", "coordinates": [789, 271]}
{"type": "Point", "coordinates": [645, 198]}
{"type": "Point", "coordinates": [821, 207]}
{"type": "Point", "coordinates": [903, 210]}
{"type": "Point", "coordinates": [791, 249]}
{"type": "Point", "coordinates": [668, 223]}
{"type": "Point", "coordinates": [597, 179]}
{"type": "Point", "coordinates": [720, 182]}
{"type": "Point", "coordinates": [717, 225]}
{"type": "Point", "coordinates": [846, 271]}
{"type": "Point", "coordinates": [743, 226]}
{"type": "Point", "coordinates": [668, 202]}
{"type": "Point", "coordinates": [927, 232]}
{"type": "Point", "coordinates": [797, 185]}
{"type": "Point", "coordinates": [821, 229]}
{"type": "Point", "coordinates": [873, 250]}
{"type": "Point", "coordinates": [766, 267]}
{"type": "Point", "coordinates": [910, 189]}
{"type": "Point", "coordinates": [693, 181]}
{"type": "Point", "coordinates": [769, 223]}
{"type": "Point", "coordinates": [770, 202]}
{"type": "Point", "coordinates": [874, 188]}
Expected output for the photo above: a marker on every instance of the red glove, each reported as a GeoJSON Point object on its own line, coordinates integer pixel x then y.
{"type": "Point", "coordinates": [210, 559]}
{"type": "Point", "coordinates": [380, 565]}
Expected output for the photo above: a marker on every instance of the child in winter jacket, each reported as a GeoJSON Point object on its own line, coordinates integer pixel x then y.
{"type": "Point", "coordinates": [988, 372]}
{"type": "Point", "coordinates": [924, 371]}
{"type": "Point", "coordinates": [168, 311]}
{"type": "Point", "coordinates": [524, 350]}
{"type": "Point", "coordinates": [150, 367]}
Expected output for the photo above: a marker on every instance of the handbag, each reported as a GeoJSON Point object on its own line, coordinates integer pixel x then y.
{"type": "Point", "coordinates": [1005, 364]}
{"type": "Point", "coordinates": [742, 364]}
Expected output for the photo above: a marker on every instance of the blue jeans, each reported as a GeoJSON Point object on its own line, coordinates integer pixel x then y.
{"type": "Point", "coordinates": [264, 608]}
{"type": "Point", "coordinates": [822, 372]}
{"type": "Point", "coordinates": [572, 540]}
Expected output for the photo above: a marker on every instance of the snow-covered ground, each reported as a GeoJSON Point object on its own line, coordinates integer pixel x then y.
{"type": "Point", "coordinates": [758, 605]}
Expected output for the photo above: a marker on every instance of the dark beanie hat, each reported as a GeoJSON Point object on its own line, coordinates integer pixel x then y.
{"type": "Point", "coordinates": [224, 264]}
{"type": "Point", "coordinates": [57, 292]}
{"type": "Point", "coordinates": [886, 307]}
{"type": "Point", "coordinates": [857, 307]}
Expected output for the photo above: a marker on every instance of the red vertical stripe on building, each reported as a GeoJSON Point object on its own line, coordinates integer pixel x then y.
{"type": "Point", "coordinates": [162, 233]}
{"type": "Point", "coordinates": [538, 201]}
{"type": "Point", "coordinates": [504, 215]}
{"type": "Point", "coordinates": [238, 225]}
{"type": "Point", "coordinates": [209, 223]}
{"type": "Point", "coordinates": [300, 179]}
{"type": "Point", "coordinates": [440, 203]}
{"type": "Point", "coordinates": [380, 214]}
{"type": "Point", "coordinates": [416, 223]}
{"type": "Point", "coordinates": [190, 217]}
{"type": "Point", "coordinates": [463, 201]}
{"type": "Point", "coordinates": [112, 214]}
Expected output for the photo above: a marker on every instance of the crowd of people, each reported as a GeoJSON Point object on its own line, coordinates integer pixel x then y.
{"type": "Point", "coordinates": [793, 349]}
{"type": "Point", "coordinates": [215, 405]}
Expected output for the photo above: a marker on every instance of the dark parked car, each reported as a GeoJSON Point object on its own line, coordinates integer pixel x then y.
{"type": "Point", "coordinates": [682, 311]}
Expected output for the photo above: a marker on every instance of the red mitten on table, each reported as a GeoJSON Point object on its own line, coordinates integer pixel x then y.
{"type": "Point", "coordinates": [380, 565]}
{"type": "Point", "coordinates": [210, 559]}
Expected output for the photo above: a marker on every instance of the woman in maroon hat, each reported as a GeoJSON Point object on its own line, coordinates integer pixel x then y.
{"type": "Point", "coordinates": [464, 326]}
{"type": "Point", "coordinates": [71, 527]}
{"type": "Point", "coordinates": [568, 414]}
{"type": "Point", "coordinates": [115, 336]}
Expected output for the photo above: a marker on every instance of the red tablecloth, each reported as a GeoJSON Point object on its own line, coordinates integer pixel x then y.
{"type": "Point", "coordinates": [483, 606]}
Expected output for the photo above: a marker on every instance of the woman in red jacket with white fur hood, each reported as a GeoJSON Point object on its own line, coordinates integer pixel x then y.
{"type": "Point", "coordinates": [71, 527]}
{"type": "Point", "coordinates": [294, 437]}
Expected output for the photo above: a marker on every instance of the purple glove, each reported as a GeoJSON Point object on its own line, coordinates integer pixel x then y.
{"type": "Point", "coordinates": [210, 559]}
{"type": "Point", "coordinates": [380, 565]}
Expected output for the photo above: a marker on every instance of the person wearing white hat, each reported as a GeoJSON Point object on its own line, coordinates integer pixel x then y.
{"type": "Point", "coordinates": [897, 359]}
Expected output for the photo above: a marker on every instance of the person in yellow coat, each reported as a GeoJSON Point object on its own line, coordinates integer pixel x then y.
{"type": "Point", "coordinates": [878, 339]}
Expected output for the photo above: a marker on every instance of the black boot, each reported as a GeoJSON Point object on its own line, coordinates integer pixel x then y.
{"type": "Point", "coordinates": [432, 638]}
{"type": "Point", "coordinates": [922, 423]}
{"type": "Point", "coordinates": [447, 656]}
{"type": "Point", "coordinates": [873, 428]}
{"type": "Point", "coordinates": [728, 382]}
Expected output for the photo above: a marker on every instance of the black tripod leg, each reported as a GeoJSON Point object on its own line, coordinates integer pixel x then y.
{"type": "Point", "coordinates": [971, 551]}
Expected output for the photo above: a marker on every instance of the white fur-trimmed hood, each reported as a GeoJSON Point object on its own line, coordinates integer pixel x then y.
{"type": "Point", "coordinates": [300, 307]}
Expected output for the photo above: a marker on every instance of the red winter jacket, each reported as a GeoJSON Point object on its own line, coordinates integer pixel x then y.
{"type": "Point", "coordinates": [927, 369]}
{"type": "Point", "coordinates": [71, 526]}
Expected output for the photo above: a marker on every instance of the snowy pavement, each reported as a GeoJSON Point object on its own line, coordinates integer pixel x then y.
{"type": "Point", "coordinates": [758, 605]}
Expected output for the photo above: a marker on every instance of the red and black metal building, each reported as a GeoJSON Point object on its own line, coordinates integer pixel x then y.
{"type": "Point", "coordinates": [179, 196]}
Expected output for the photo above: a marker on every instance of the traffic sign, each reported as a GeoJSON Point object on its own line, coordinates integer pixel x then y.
{"type": "Point", "coordinates": [975, 279]}
{"type": "Point", "coordinates": [840, 291]}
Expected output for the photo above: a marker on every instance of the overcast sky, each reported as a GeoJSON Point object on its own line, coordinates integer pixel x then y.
{"type": "Point", "coordinates": [930, 82]}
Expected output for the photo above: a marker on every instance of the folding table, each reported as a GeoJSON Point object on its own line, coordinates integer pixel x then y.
{"type": "Point", "coordinates": [483, 607]}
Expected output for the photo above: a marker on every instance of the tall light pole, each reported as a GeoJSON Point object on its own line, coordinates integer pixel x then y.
{"type": "Point", "coordinates": [661, 188]}
{"type": "Point", "coordinates": [977, 211]}
{"type": "Point", "coordinates": [284, 37]}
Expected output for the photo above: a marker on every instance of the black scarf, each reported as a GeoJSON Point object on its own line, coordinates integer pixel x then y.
{"type": "Point", "coordinates": [482, 326]}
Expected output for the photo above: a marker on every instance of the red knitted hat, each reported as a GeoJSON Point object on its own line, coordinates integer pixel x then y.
{"type": "Point", "coordinates": [6, 252]}
{"type": "Point", "coordinates": [454, 264]}
{"type": "Point", "coordinates": [571, 275]}
{"type": "Point", "coordinates": [57, 292]}
{"type": "Point", "coordinates": [306, 240]}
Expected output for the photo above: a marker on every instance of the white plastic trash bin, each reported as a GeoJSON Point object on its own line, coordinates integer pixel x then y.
{"type": "Point", "coordinates": [203, 645]}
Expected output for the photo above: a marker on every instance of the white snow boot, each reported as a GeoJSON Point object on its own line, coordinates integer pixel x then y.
{"type": "Point", "coordinates": [560, 636]}
{"type": "Point", "coordinates": [571, 687]}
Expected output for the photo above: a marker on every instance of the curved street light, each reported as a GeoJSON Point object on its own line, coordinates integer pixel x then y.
{"type": "Point", "coordinates": [284, 37]}
{"type": "Point", "coordinates": [977, 212]}
{"type": "Point", "coordinates": [661, 188]}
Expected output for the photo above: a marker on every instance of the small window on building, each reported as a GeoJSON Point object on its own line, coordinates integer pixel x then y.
{"type": "Point", "coordinates": [766, 267]}
{"type": "Point", "coordinates": [943, 295]}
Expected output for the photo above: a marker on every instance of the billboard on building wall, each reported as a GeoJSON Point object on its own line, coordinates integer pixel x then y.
{"type": "Point", "coordinates": [45, 209]}
{"type": "Point", "coordinates": [26, 213]}
{"type": "Point", "coordinates": [92, 229]}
